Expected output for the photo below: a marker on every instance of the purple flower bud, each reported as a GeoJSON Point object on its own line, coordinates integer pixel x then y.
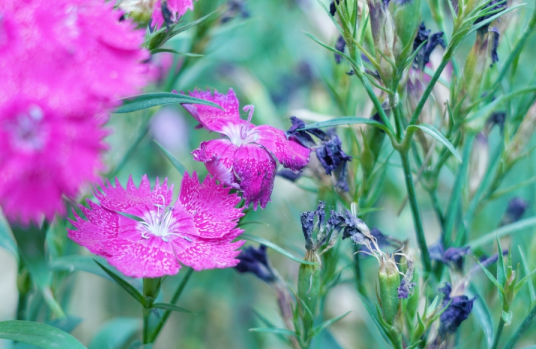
{"type": "Point", "coordinates": [458, 310]}
{"type": "Point", "coordinates": [432, 41]}
{"type": "Point", "coordinates": [255, 261]}
{"type": "Point", "coordinates": [308, 224]}
{"type": "Point", "coordinates": [514, 212]}
{"type": "Point", "coordinates": [333, 8]}
{"type": "Point", "coordinates": [340, 45]}
{"type": "Point", "coordinates": [494, 33]}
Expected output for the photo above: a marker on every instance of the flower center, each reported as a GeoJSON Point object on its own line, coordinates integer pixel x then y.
{"type": "Point", "coordinates": [243, 133]}
{"type": "Point", "coordinates": [27, 131]}
{"type": "Point", "coordinates": [160, 223]}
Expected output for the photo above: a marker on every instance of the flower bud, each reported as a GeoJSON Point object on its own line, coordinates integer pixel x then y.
{"type": "Point", "coordinates": [151, 288]}
{"type": "Point", "coordinates": [522, 136]}
{"type": "Point", "coordinates": [389, 284]}
{"type": "Point", "coordinates": [475, 66]}
{"type": "Point", "coordinates": [383, 34]}
{"type": "Point", "coordinates": [406, 16]}
{"type": "Point", "coordinates": [478, 163]}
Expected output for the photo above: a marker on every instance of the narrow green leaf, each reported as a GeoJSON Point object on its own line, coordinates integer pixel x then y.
{"type": "Point", "coordinates": [503, 231]}
{"type": "Point", "coordinates": [137, 344]}
{"type": "Point", "coordinates": [512, 188]}
{"type": "Point", "coordinates": [176, 163]}
{"type": "Point", "coordinates": [483, 316]}
{"type": "Point", "coordinates": [123, 283]}
{"type": "Point", "coordinates": [31, 242]}
{"type": "Point", "coordinates": [491, 277]}
{"type": "Point", "coordinates": [149, 100]}
{"type": "Point", "coordinates": [6, 237]}
{"type": "Point", "coordinates": [432, 131]}
{"type": "Point", "coordinates": [168, 50]}
{"type": "Point", "coordinates": [172, 307]}
{"type": "Point", "coordinates": [501, 268]}
{"type": "Point", "coordinates": [345, 120]}
{"type": "Point", "coordinates": [375, 318]}
{"type": "Point", "coordinates": [115, 333]}
{"type": "Point", "coordinates": [274, 331]}
{"type": "Point", "coordinates": [80, 263]}
{"type": "Point", "coordinates": [191, 24]}
{"type": "Point", "coordinates": [274, 247]}
{"type": "Point", "coordinates": [40, 335]}
{"type": "Point", "coordinates": [326, 324]}
{"type": "Point", "coordinates": [527, 272]}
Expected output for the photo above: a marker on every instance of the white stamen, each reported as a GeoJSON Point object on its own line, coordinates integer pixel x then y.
{"type": "Point", "coordinates": [160, 224]}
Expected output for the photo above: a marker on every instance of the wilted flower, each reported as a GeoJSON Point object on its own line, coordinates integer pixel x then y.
{"type": "Point", "coordinates": [169, 11]}
{"type": "Point", "coordinates": [494, 32]}
{"type": "Point", "coordinates": [515, 210]}
{"type": "Point", "coordinates": [197, 230]}
{"type": "Point", "coordinates": [458, 310]}
{"type": "Point", "coordinates": [407, 284]}
{"type": "Point", "coordinates": [333, 158]}
{"type": "Point", "coordinates": [340, 45]}
{"type": "Point", "coordinates": [453, 256]}
{"type": "Point", "coordinates": [246, 160]}
{"type": "Point", "coordinates": [432, 41]}
{"type": "Point", "coordinates": [254, 260]}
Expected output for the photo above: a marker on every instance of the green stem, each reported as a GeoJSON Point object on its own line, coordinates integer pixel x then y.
{"type": "Point", "coordinates": [174, 300]}
{"type": "Point", "coordinates": [498, 334]}
{"type": "Point", "coordinates": [521, 329]}
{"type": "Point", "coordinates": [412, 197]}
{"type": "Point", "coordinates": [146, 330]}
{"type": "Point", "coordinates": [52, 303]}
{"type": "Point", "coordinates": [437, 207]}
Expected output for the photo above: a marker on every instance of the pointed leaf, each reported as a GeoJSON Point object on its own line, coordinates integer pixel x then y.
{"type": "Point", "coordinates": [123, 283]}
{"type": "Point", "coordinates": [503, 231]}
{"type": "Point", "coordinates": [501, 270]}
{"type": "Point", "coordinates": [40, 335]}
{"type": "Point", "coordinates": [176, 163]}
{"type": "Point", "coordinates": [31, 242]}
{"type": "Point", "coordinates": [326, 324]}
{"type": "Point", "coordinates": [172, 307]}
{"type": "Point", "coordinates": [149, 100]}
{"type": "Point", "coordinates": [345, 120]}
{"type": "Point", "coordinates": [491, 277]}
{"type": "Point", "coordinates": [483, 316]}
{"type": "Point", "coordinates": [526, 270]}
{"type": "Point", "coordinates": [432, 131]}
{"type": "Point", "coordinates": [274, 247]}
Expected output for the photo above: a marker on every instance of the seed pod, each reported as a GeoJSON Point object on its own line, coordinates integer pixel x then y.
{"type": "Point", "coordinates": [389, 283]}
{"type": "Point", "coordinates": [309, 288]}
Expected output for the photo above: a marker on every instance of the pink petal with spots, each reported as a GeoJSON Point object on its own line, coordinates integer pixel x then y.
{"type": "Point", "coordinates": [211, 205]}
{"type": "Point", "coordinates": [212, 253]}
{"type": "Point", "coordinates": [290, 153]}
{"type": "Point", "coordinates": [255, 169]}
{"type": "Point", "coordinates": [218, 156]}
{"type": "Point", "coordinates": [177, 8]}
{"type": "Point", "coordinates": [132, 199]}
{"type": "Point", "coordinates": [212, 118]}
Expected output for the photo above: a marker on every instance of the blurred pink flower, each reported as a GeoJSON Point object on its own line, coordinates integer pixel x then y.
{"type": "Point", "coordinates": [177, 9]}
{"type": "Point", "coordinates": [246, 160]}
{"type": "Point", "coordinates": [196, 231]}
{"type": "Point", "coordinates": [43, 156]}
{"type": "Point", "coordinates": [63, 66]}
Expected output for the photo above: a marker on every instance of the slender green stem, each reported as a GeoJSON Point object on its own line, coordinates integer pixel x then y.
{"type": "Point", "coordinates": [498, 334]}
{"type": "Point", "coordinates": [52, 303]}
{"type": "Point", "coordinates": [173, 300]}
{"type": "Point", "coordinates": [146, 330]}
{"type": "Point", "coordinates": [521, 329]}
{"type": "Point", "coordinates": [412, 197]}
{"type": "Point", "coordinates": [437, 207]}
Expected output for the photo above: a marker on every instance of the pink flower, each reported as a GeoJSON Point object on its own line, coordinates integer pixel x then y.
{"type": "Point", "coordinates": [63, 66]}
{"type": "Point", "coordinates": [75, 54]}
{"type": "Point", "coordinates": [246, 160]}
{"type": "Point", "coordinates": [177, 9]}
{"type": "Point", "coordinates": [43, 156]}
{"type": "Point", "coordinates": [197, 230]}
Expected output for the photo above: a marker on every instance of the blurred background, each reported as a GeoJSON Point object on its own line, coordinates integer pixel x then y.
{"type": "Point", "coordinates": [260, 51]}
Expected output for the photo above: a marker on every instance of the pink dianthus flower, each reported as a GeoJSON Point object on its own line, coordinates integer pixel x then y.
{"type": "Point", "coordinates": [177, 9]}
{"type": "Point", "coordinates": [196, 231]}
{"type": "Point", "coordinates": [246, 160]}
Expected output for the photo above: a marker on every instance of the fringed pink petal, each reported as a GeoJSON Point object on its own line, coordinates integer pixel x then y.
{"type": "Point", "coordinates": [212, 118]}
{"type": "Point", "coordinates": [177, 8]}
{"type": "Point", "coordinates": [255, 172]}
{"type": "Point", "coordinates": [290, 153]}
{"type": "Point", "coordinates": [211, 206]}
{"type": "Point", "coordinates": [218, 156]}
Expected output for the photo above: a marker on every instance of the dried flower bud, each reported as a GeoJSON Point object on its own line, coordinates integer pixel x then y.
{"type": "Point", "coordinates": [453, 256]}
{"type": "Point", "coordinates": [340, 45]}
{"type": "Point", "coordinates": [432, 41]}
{"type": "Point", "coordinates": [458, 310]}
{"type": "Point", "coordinates": [333, 158]}
{"type": "Point", "coordinates": [494, 33]}
{"type": "Point", "coordinates": [255, 261]}
{"type": "Point", "coordinates": [514, 212]}
{"type": "Point", "coordinates": [478, 164]}
{"type": "Point", "coordinates": [474, 69]}
{"type": "Point", "coordinates": [383, 34]}
{"type": "Point", "coordinates": [407, 284]}
{"type": "Point", "coordinates": [522, 136]}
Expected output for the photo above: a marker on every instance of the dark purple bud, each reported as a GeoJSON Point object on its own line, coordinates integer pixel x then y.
{"type": "Point", "coordinates": [494, 33]}
{"type": "Point", "coordinates": [350, 73]}
{"type": "Point", "coordinates": [497, 118]}
{"type": "Point", "coordinates": [308, 225]}
{"type": "Point", "coordinates": [333, 8]}
{"type": "Point", "coordinates": [332, 158]}
{"type": "Point", "coordinates": [301, 136]}
{"type": "Point", "coordinates": [516, 208]}
{"type": "Point", "coordinates": [340, 45]}
{"type": "Point", "coordinates": [335, 221]}
{"type": "Point", "coordinates": [454, 256]}
{"type": "Point", "coordinates": [354, 228]}
{"type": "Point", "coordinates": [493, 5]}
{"type": "Point", "coordinates": [458, 310]}
{"type": "Point", "coordinates": [406, 284]}
{"type": "Point", "coordinates": [321, 214]}
{"type": "Point", "coordinates": [432, 41]}
{"type": "Point", "coordinates": [166, 14]}
{"type": "Point", "coordinates": [289, 175]}
{"type": "Point", "coordinates": [255, 261]}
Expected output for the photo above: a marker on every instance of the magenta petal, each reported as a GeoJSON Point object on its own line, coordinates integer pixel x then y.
{"type": "Point", "coordinates": [255, 169]}
{"type": "Point", "coordinates": [218, 156]}
{"type": "Point", "coordinates": [212, 118]}
{"type": "Point", "coordinates": [135, 200]}
{"type": "Point", "coordinates": [177, 8]}
{"type": "Point", "coordinates": [290, 153]}
{"type": "Point", "coordinates": [214, 253]}
{"type": "Point", "coordinates": [211, 205]}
